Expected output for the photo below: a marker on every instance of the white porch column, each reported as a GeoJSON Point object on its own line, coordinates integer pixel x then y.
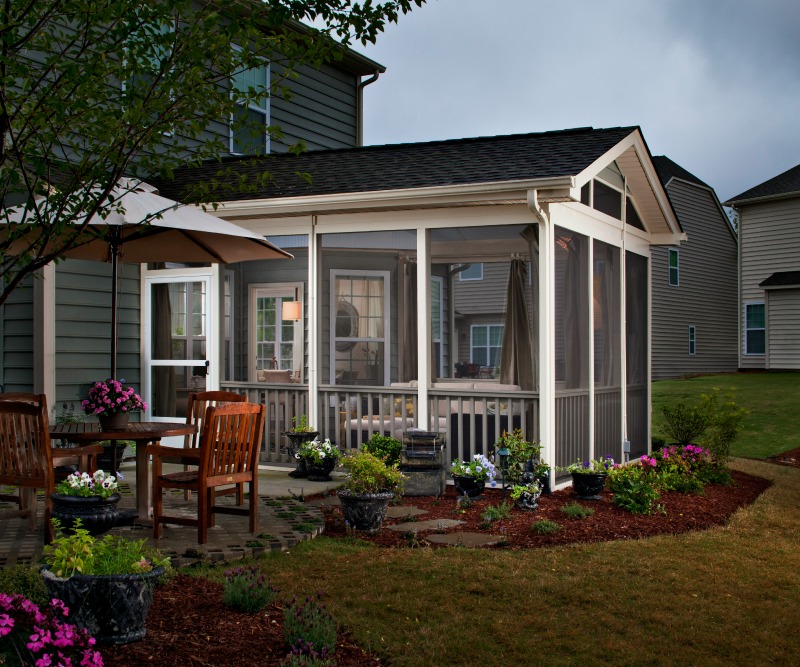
{"type": "Point", "coordinates": [423, 325]}
{"type": "Point", "coordinates": [314, 241]}
{"type": "Point", "coordinates": [44, 334]}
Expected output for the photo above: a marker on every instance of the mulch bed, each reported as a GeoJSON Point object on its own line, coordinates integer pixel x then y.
{"type": "Point", "coordinates": [790, 458]}
{"type": "Point", "coordinates": [188, 625]}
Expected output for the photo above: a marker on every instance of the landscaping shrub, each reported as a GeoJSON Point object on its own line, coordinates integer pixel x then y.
{"type": "Point", "coordinates": [545, 527]}
{"type": "Point", "coordinates": [308, 627]}
{"type": "Point", "coordinates": [726, 421]}
{"type": "Point", "coordinates": [685, 424]}
{"type": "Point", "coordinates": [25, 581]}
{"type": "Point", "coordinates": [304, 656]}
{"type": "Point", "coordinates": [384, 447]}
{"type": "Point", "coordinates": [577, 511]}
{"type": "Point", "coordinates": [635, 487]}
{"type": "Point", "coordinates": [681, 482]}
{"type": "Point", "coordinates": [247, 590]}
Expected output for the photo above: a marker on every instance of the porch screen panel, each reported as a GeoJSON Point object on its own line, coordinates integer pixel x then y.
{"type": "Point", "coordinates": [607, 342]}
{"type": "Point", "coordinates": [572, 302]}
{"type": "Point", "coordinates": [637, 350]}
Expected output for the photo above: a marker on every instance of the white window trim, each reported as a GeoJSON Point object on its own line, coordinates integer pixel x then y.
{"type": "Point", "coordinates": [252, 107]}
{"type": "Point", "coordinates": [387, 337]}
{"type": "Point", "coordinates": [229, 332]}
{"type": "Point", "coordinates": [692, 340]}
{"type": "Point", "coordinates": [677, 282]}
{"type": "Point", "coordinates": [461, 277]}
{"type": "Point", "coordinates": [277, 290]}
{"type": "Point", "coordinates": [486, 325]}
{"type": "Point", "coordinates": [747, 329]}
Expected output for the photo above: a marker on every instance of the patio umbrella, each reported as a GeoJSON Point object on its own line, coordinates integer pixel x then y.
{"type": "Point", "coordinates": [146, 227]}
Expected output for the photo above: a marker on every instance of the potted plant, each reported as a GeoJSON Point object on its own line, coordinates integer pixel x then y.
{"type": "Point", "coordinates": [299, 433]}
{"type": "Point", "coordinates": [470, 477]}
{"type": "Point", "coordinates": [369, 487]}
{"type": "Point", "coordinates": [589, 477]}
{"type": "Point", "coordinates": [107, 583]}
{"type": "Point", "coordinates": [320, 459]}
{"type": "Point", "coordinates": [91, 499]}
{"type": "Point", "coordinates": [113, 403]}
{"type": "Point", "coordinates": [526, 495]}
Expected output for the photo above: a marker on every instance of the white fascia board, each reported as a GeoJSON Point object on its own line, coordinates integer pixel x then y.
{"type": "Point", "coordinates": [736, 203]}
{"type": "Point", "coordinates": [668, 239]}
{"type": "Point", "coordinates": [440, 196]}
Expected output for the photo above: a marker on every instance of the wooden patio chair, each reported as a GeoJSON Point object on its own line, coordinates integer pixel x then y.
{"type": "Point", "coordinates": [229, 447]}
{"type": "Point", "coordinates": [23, 461]}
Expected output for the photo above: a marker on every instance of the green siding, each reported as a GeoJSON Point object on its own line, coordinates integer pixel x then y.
{"type": "Point", "coordinates": [17, 339]}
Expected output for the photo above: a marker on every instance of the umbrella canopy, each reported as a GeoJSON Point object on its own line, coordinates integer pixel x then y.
{"type": "Point", "coordinates": [143, 226]}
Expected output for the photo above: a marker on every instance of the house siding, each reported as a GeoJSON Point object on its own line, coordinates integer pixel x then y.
{"type": "Point", "coordinates": [770, 243]}
{"type": "Point", "coordinates": [783, 329]}
{"type": "Point", "coordinates": [83, 326]}
{"type": "Point", "coordinates": [17, 339]}
{"type": "Point", "coordinates": [706, 294]}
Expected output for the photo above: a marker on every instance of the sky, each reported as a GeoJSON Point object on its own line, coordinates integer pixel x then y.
{"type": "Point", "coordinates": [714, 84]}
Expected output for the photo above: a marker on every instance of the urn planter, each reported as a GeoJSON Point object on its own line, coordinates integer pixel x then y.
{"type": "Point", "coordinates": [364, 511]}
{"type": "Point", "coordinates": [113, 608]}
{"type": "Point", "coordinates": [470, 486]}
{"type": "Point", "coordinates": [588, 486]}
{"type": "Point", "coordinates": [319, 472]}
{"type": "Point", "coordinates": [97, 514]}
{"type": "Point", "coordinates": [297, 438]}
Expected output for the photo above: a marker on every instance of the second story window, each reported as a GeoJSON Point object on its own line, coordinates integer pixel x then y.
{"type": "Point", "coordinates": [673, 267]}
{"type": "Point", "coordinates": [249, 124]}
{"type": "Point", "coordinates": [692, 340]}
{"type": "Point", "coordinates": [472, 272]}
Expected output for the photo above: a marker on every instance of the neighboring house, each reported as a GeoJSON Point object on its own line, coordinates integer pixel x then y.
{"type": "Point", "coordinates": [769, 273]}
{"type": "Point", "coordinates": [694, 286]}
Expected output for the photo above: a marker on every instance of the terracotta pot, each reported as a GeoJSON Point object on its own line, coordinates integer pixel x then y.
{"type": "Point", "coordinates": [114, 422]}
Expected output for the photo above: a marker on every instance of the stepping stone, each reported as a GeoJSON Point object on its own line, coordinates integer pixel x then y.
{"type": "Point", "coordinates": [403, 511]}
{"type": "Point", "coordinates": [466, 539]}
{"type": "Point", "coordinates": [431, 524]}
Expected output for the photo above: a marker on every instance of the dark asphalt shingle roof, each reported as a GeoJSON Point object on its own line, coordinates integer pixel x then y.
{"type": "Point", "coordinates": [402, 166]}
{"type": "Point", "coordinates": [782, 279]}
{"type": "Point", "coordinates": [668, 169]}
{"type": "Point", "coordinates": [783, 184]}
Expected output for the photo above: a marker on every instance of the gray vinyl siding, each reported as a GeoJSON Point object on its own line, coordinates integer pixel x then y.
{"type": "Point", "coordinates": [83, 326]}
{"type": "Point", "coordinates": [706, 294]}
{"type": "Point", "coordinates": [783, 329]}
{"type": "Point", "coordinates": [770, 243]}
{"type": "Point", "coordinates": [17, 339]}
{"type": "Point", "coordinates": [482, 297]}
{"type": "Point", "coordinates": [322, 110]}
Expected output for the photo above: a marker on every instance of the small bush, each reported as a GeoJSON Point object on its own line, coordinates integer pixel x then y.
{"type": "Point", "coordinates": [304, 656]}
{"type": "Point", "coordinates": [685, 424]}
{"type": "Point", "coordinates": [307, 626]}
{"type": "Point", "coordinates": [545, 527]}
{"type": "Point", "coordinates": [496, 512]}
{"type": "Point", "coordinates": [577, 511]}
{"type": "Point", "coordinates": [635, 488]}
{"type": "Point", "coordinates": [25, 581]}
{"type": "Point", "coordinates": [246, 590]}
{"type": "Point", "coordinates": [725, 423]}
{"type": "Point", "coordinates": [384, 447]}
{"type": "Point", "coordinates": [680, 482]}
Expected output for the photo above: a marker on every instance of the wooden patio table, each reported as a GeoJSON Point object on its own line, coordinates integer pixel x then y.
{"type": "Point", "coordinates": [143, 434]}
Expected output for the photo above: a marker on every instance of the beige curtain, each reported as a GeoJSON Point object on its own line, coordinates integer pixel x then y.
{"type": "Point", "coordinates": [407, 326]}
{"type": "Point", "coordinates": [576, 312]}
{"type": "Point", "coordinates": [516, 358]}
{"type": "Point", "coordinates": [531, 235]}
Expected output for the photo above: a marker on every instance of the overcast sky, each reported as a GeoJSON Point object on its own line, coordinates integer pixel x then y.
{"type": "Point", "coordinates": [714, 84]}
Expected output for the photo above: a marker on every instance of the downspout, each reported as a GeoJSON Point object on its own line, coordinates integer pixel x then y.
{"type": "Point", "coordinates": [546, 381]}
{"type": "Point", "coordinates": [360, 109]}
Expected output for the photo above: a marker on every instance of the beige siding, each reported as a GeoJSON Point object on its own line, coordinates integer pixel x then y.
{"type": "Point", "coordinates": [783, 329]}
{"type": "Point", "coordinates": [770, 237]}
{"type": "Point", "coordinates": [706, 294]}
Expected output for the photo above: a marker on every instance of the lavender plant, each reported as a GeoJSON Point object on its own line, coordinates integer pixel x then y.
{"type": "Point", "coordinates": [307, 624]}
{"type": "Point", "coordinates": [247, 590]}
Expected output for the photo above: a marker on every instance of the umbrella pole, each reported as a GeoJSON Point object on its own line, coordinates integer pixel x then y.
{"type": "Point", "coordinates": [113, 245]}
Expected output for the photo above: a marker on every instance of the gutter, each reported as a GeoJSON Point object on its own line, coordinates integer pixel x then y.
{"type": "Point", "coordinates": [360, 107]}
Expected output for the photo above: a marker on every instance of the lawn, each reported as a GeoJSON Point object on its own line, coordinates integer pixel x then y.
{"type": "Point", "coordinates": [772, 400]}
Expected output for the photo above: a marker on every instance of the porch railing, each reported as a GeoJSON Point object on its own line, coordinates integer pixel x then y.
{"type": "Point", "coordinates": [472, 420]}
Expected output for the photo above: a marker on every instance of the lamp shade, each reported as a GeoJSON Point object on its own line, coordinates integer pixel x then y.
{"type": "Point", "coordinates": [291, 310]}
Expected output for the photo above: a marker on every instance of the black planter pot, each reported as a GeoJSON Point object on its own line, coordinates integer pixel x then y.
{"type": "Point", "coordinates": [470, 486]}
{"type": "Point", "coordinates": [588, 486]}
{"type": "Point", "coordinates": [113, 608]}
{"type": "Point", "coordinates": [297, 439]}
{"type": "Point", "coordinates": [544, 481]}
{"type": "Point", "coordinates": [320, 472]}
{"type": "Point", "coordinates": [365, 511]}
{"type": "Point", "coordinates": [97, 514]}
{"type": "Point", "coordinates": [111, 458]}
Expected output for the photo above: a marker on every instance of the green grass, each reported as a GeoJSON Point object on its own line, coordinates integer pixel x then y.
{"type": "Point", "coordinates": [772, 399]}
{"type": "Point", "coordinates": [723, 596]}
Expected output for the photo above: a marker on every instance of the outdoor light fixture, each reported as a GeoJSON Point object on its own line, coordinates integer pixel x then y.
{"type": "Point", "coordinates": [292, 310]}
{"type": "Point", "coordinates": [503, 453]}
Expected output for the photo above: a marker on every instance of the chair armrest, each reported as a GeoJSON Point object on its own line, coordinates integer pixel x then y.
{"type": "Point", "coordinates": [177, 453]}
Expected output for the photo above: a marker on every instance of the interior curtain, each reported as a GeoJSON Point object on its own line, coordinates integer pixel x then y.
{"type": "Point", "coordinates": [531, 235]}
{"type": "Point", "coordinates": [609, 299]}
{"type": "Point", "coordinates": [576, 314]}
{"type": "Point", "coordinates": [164, 388]}
{"type": "Point", "coordinates": [516, 358]}
{"type": "Point", "coordinates": [407, 329]}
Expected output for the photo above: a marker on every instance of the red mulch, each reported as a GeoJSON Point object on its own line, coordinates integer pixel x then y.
{"type": "Point", "coordinates": [790, 458]}
{"type": "Point", "coordinates": [189, 627]}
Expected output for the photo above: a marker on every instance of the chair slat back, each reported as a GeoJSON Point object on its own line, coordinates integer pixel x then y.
{"type": "Point", "coordinates": [231, 438]}
{"type": "Point", "coordinates": [26, 458]}
{"type": "Point", "coordinates": [199, 402]}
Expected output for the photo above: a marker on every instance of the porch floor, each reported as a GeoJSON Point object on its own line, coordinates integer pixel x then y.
{"type": "Point", "coordinates": [228, 540]}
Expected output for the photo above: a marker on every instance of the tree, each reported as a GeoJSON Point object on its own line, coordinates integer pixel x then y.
{"type": "Point", "coordinates": [91, 90]}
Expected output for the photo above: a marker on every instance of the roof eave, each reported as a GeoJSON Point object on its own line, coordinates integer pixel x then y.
{"type": "Point", "coordinates": [759, 200]}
